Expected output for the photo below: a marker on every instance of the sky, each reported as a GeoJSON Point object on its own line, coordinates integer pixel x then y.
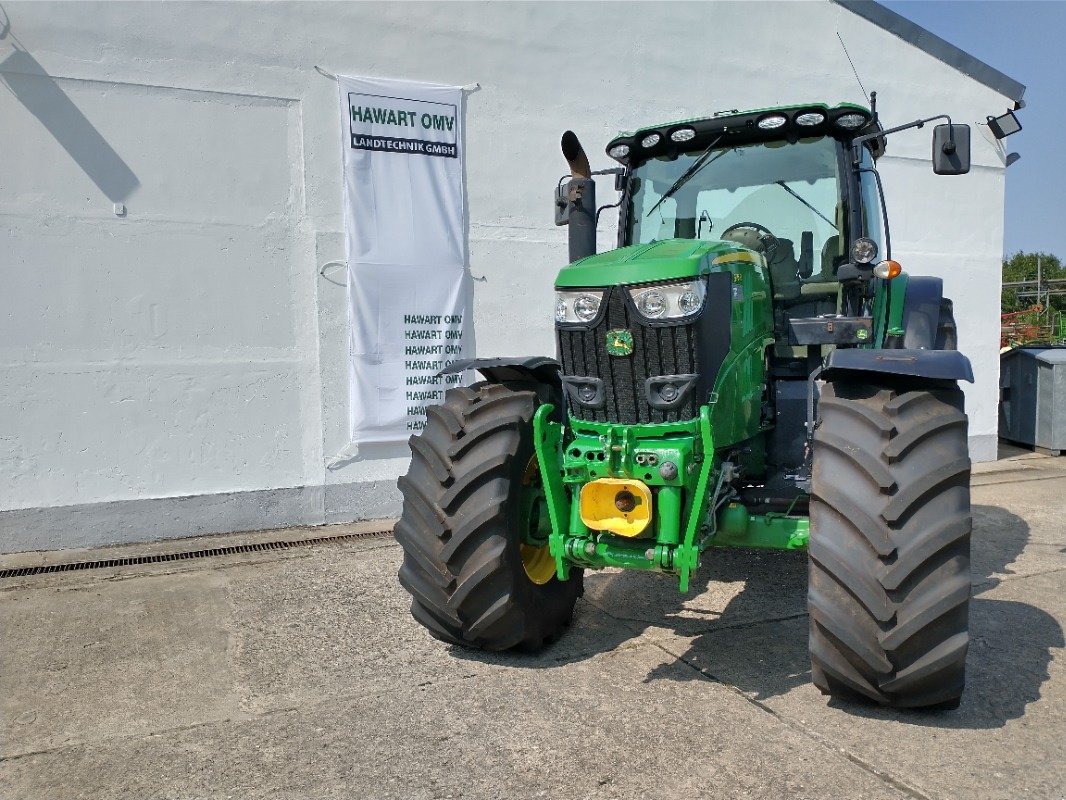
{"type": "Point", "coordinates": [1025, 39]}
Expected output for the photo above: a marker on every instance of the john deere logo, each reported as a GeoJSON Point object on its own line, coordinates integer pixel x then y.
{"type": "Point", "coordinates": [619, 343]}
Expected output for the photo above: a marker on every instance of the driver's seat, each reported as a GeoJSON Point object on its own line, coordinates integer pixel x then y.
{"type": "Point", "coordinates": [783, 267]}
{"type": "Point", "coordinates": [830, 260]}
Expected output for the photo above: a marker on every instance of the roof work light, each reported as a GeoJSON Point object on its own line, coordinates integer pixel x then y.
{"type": "Point", "coordinates": [1004, 126]}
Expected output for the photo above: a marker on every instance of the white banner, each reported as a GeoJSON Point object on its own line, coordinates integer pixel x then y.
{"type": "Point", "coordinates": [405, 237]}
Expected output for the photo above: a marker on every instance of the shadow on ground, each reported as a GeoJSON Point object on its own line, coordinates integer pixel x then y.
{"type": "Point", "coordinates": [757, 641]}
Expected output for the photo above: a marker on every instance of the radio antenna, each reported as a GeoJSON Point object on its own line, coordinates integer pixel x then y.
{"type": "Point", "coordinates": [855, 71]}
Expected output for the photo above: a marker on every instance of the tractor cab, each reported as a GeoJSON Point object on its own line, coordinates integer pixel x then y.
{"type": "Point", "coordinates": [796, 186]}
{"type": "Point", "coordinates": [783, 183]}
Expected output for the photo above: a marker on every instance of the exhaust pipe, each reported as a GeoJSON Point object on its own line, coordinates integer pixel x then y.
{"type": "Point", "coordinates": [581, 199]}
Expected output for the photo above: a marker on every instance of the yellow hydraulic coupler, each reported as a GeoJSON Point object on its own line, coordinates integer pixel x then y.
{"type": "Point", "coordinates": [618, 505]}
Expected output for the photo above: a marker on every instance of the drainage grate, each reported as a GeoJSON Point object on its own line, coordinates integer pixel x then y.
{"type": "Point", "coordinates": [160, 558]}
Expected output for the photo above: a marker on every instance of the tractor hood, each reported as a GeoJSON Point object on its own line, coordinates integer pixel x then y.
{"type": "Point", "coordinates": [647, 263]}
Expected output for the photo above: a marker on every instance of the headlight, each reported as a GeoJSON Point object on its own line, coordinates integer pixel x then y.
{"type": "Point", "coordinates": [577, 307]}
{"type": "Point", "coordinates": [670, 300]}
{"type": "Point", "coordinates": [652, 303]}
{"type": "Point", "coordinates": [851, 121]}
{"type": "Point", "coordinates": [810, 118]}
{"type": "Point", "coordinates": [650, 140]}
{"type": "Point", "coordinates": [864, 250]}
{"type": "Point", "coordinates": [586, 307]}
{"type": "Point", "coordinates": [689, 302]}
{"type": "Point", "coordinates": [618, 151]}
{"type": "Point", "coordinates": [772, 121]}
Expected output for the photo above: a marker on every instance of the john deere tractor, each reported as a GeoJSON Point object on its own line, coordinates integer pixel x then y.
{"type": "Point", "coordinates": [749, 368]}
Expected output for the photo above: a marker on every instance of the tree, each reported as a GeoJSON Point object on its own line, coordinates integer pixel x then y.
{"type": "Point", "coordinates": [1023, 267]}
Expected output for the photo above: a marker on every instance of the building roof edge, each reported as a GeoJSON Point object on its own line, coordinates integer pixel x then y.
{"type": "Point", "coordinates": [932, 44]}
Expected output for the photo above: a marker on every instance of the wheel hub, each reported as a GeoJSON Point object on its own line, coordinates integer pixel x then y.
{"type": "Point", "coordinates": [535, 526]}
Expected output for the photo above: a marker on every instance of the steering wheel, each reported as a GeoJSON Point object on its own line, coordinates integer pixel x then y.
{"type": "Point", "coordinates": [766, 238]}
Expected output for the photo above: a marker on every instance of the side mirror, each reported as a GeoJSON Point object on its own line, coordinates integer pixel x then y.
{"type": "Point", "coordinates": [951, 149]}
{"type": "Point", "coordinates": [562, 203]}
{"type": "Point", "coordinates": [564, 196]}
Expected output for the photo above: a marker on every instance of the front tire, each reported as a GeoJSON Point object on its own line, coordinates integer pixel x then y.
{"type": "Point", "coordinates": [473, 575]}
{"type": "Point", "coordinates": [889, 586]}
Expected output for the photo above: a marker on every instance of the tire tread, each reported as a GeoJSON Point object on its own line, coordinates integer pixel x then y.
{"type": "Point", "coordinates": [889, 551]}
{"type": "Point", "coordinates": [461, 563]}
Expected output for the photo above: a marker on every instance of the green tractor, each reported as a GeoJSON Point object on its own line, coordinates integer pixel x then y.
{"type": "Point", "coordinates": [749, 368]}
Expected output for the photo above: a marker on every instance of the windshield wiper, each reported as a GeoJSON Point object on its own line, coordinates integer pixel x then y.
{"type": "Point", "coordinates": [689, 173]}
{"type": "Point", "coordinates": [812, 208]}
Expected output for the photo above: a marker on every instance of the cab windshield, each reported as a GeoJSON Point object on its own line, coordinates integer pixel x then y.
{"type": "Point", "coordinates": [785, 189]}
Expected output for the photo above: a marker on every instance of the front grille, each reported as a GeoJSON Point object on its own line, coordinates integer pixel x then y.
{"type": "Point", "coordinates": [666, 350]}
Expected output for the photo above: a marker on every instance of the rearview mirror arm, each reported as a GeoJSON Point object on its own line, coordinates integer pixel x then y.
{"type": "Point", "coordinates": [857, 144]}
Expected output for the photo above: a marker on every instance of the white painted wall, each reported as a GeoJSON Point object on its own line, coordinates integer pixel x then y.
{"type": "Point", "coordinates": [189, 349]}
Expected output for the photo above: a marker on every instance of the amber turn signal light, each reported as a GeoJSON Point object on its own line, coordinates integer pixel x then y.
{"type": "Point", "coordinates": [888, 269]}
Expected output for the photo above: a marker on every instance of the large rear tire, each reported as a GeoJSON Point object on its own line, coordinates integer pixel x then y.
{"type": "Point", "coordinates": [889, 586]}
{"type": "Point", "coordinates": [472, 488]}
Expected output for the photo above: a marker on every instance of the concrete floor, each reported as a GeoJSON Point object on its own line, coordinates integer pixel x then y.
{"type": "Point", "coordinates": [300, 674]}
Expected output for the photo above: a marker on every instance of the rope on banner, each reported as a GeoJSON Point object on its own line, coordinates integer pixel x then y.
{"type": "Point", "coordinates": [470, 88]}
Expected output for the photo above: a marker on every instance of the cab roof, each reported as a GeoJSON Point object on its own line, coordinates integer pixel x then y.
{"type": "Point", "coordinates": [844, 120]}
